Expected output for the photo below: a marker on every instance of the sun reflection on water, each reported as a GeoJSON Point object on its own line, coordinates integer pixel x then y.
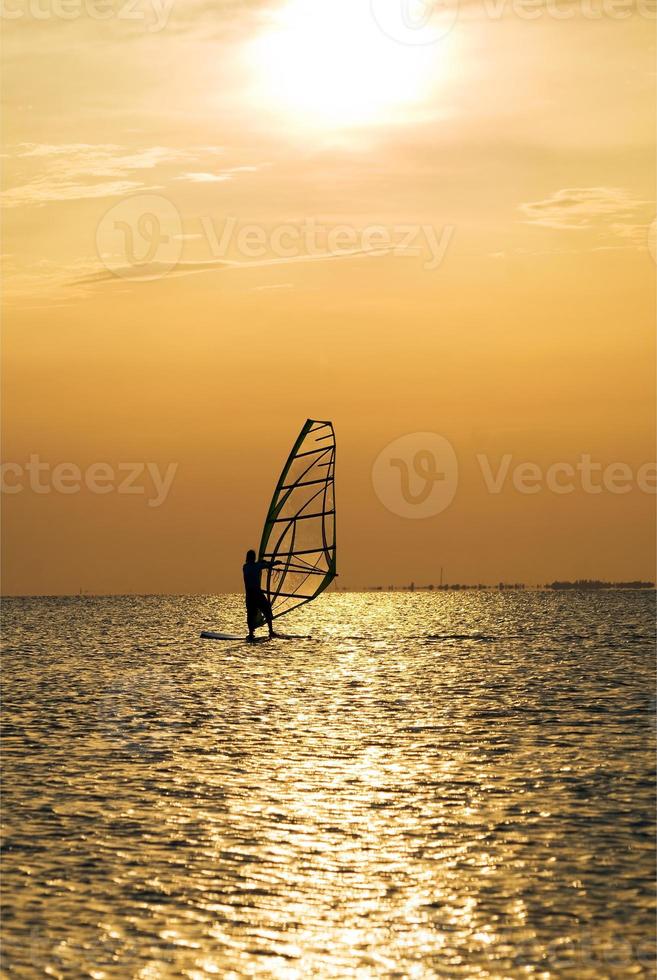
{"type": "Point", "coordinates": [395, 797]}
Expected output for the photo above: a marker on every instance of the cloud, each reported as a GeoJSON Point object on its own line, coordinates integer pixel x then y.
{"type": "Point", "coordinates": [34, 28]}
{"type": "Point", "coordinates": [204, 177]}
{"type": "Point", "coordinates": [275, 285]}
{"type": "Point", "coordinates": [160, 270]}
{"type": "Point", "coordinates": [101, 159]}
{"type": "Point", "coordinates": [43, 192]}
{"type": "Point", "coordinates": [576, 208]}
{"type": "Point", "coordinates": [631, 232]}
{"type": "Point", "coordinates": [75, 171]}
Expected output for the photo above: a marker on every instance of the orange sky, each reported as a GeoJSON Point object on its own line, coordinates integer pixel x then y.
{"type": "Point", "coordinates": [223, 218]}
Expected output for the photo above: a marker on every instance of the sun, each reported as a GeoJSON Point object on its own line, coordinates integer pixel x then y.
{"type": "Point", "coordinates": [329, 63]}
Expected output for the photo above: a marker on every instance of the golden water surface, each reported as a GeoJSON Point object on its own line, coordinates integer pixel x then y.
{"type": "Point", "coordinates": [434, 785]}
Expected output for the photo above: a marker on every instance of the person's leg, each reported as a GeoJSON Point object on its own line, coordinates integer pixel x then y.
{"type": "Point", "coordinates": [251, 613]}
{"type": "Point", "coordinates": [265, 608]}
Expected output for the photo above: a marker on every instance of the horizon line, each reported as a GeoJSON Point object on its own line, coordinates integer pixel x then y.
{"type": "Point", "coordinates": [628, 585]}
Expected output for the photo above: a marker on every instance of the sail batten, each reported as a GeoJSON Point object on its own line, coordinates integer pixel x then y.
{"type": "Point", "coordinates": [305, 483]}
{"type": "Point", "coordinates": [301, 521]}
{"type": "Point", "coordinates": [304, 517]}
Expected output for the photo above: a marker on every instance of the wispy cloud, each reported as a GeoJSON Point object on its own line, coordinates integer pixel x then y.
{"type": "Point", "coordinates": [75, 171]}
{"type": "Point", "coordinates": [102, 159]}
{"type": "Point", "coordinates": [274, 285]}
{"type": "Point", "coordinates": [204, 177]}
{"type": "Point", "coordinates": [43, 191]}
{"type": "Point", "coordinates": [577, 208]}
{"type": "Point", "coordinates": [159, 270]}
{"type": "Point", "coordinates": [630, 232]}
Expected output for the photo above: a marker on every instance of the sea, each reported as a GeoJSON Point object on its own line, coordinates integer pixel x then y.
{"type": "Point", "coordinates": [416, 785]}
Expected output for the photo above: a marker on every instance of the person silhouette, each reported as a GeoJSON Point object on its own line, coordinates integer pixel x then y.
{"type": "Point", "coordinates": [256, 600]}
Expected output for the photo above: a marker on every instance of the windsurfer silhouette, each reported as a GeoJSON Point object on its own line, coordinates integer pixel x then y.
{"type": "Point", "coordinates": [256, 600]}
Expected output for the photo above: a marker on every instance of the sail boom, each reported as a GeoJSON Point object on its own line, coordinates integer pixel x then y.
{"type": "Point", "coordinates": [299, 551]}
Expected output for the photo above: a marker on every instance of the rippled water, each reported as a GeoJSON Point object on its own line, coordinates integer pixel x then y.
{"type": "Point", "coordinates": [435, 785]}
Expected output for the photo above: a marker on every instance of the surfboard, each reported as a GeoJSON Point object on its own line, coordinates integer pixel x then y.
{"type": "Point", "coordinates": [210, 635]}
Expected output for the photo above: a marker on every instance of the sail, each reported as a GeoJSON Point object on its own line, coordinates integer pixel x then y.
{"type": "Point", "coordinates": [300, 528]}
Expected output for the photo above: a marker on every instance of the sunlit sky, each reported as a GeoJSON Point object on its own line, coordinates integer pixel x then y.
{"type": "Point", "coordinates": [223, 218]}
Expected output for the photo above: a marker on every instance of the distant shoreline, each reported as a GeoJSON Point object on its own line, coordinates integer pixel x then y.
{"type": "Point", "coordinates": [581, 586]}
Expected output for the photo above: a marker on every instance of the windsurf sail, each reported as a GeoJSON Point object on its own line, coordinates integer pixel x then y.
{"type": "Point", "coordinates": [300, 528]}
